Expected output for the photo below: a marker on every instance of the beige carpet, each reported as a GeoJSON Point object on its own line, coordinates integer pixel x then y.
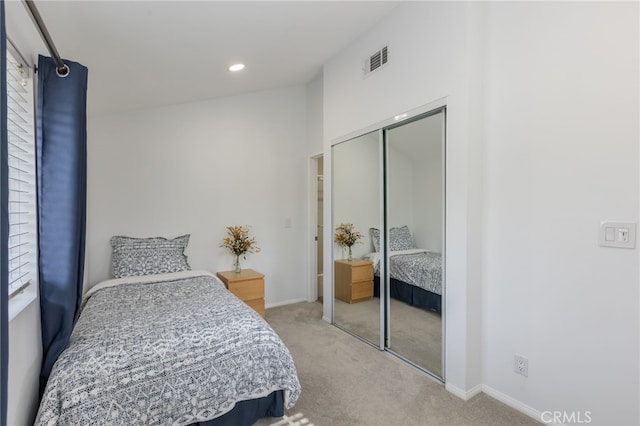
{"type": "Point", "coordinates": [416, 333]}
{"type": "Point", "coordinates": [347, 382]}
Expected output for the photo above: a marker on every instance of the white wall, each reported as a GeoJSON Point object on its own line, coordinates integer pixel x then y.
{"type": "Point", "coordinates": [197, 168]}
{"type": "Point", "coordinates": [414, 179]}
{"type": "Point", "coordinates": [542, 144]}
{"type": "Point", "coordinates": [315, 117]}
{"type": "Point", "coordinates": [25, 360]}
{"type": "Point", "coordinates": [429, 194]}
{"type": "Point", "coordinates": [356, 189]}
{"type": "Point", "coordinates": [562, 152]}
{"type": "Point", "coordinates": [421, 143]}
{"type": "Point", "coordinates": [356, 194]}
{"type": "Point", "coordinates": [429, 59]}
{"type": "Point", "coordinates": [400, 189]}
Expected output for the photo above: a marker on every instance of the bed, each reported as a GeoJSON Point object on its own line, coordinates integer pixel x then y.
{"type": "Point", "coordinates": [416, 278]}
{"type": "Point", "coordinates": [169, 349]}
{"type": "Point", "coordinates": [415, 274]}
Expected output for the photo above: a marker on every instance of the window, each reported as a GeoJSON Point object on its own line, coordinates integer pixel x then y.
{"type": "Point", "coordinates": [22, 181]}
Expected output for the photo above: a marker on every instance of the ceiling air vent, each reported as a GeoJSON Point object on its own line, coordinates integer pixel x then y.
{"type": "Point", "coordinates": [377, 60]}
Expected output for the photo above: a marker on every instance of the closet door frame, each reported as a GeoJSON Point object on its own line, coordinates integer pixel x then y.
{"type": "Point", "coordinates": [435, 107]}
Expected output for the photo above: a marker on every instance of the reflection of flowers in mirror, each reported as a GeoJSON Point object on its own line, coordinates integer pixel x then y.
{"type": "Point", "coordinates": [346, 236]}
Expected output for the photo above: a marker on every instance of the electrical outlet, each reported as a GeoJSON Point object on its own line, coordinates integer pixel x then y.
{"type": "Point", "coordinates": [521, 365]}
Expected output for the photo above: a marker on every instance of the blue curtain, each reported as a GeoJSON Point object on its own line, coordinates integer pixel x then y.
{"type": "Point", "coordinates": [4, 226]}
{"type": "Point", "coordinates": [61, 158]}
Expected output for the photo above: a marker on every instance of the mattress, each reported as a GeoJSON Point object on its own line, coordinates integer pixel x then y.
{"type": "Point", "coordinates": [418, 267]}
{"type": "Point", "coordinates": [170, 349]}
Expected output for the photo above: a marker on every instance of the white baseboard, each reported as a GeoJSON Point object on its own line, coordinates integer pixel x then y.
{"type": "Point", "coordinates": [505, 399]}
{"type": "Point", "coordinates": [285, 302]}
{"type": "Point", "coordinates": [515, 404]}
{"type": "Point", "coordinates": [462, 394]}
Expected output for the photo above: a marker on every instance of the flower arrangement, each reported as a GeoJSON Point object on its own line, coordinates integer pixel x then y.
{"type": "Point", "coordinates": [346, 236]}
{"type": "Point", "coordinates": [239, 243]}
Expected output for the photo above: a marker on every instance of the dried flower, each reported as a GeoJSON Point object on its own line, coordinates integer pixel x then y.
{"type": "Point", "coordinates": [346, 235]}
{"type": "Point", "coordinates": [239, 242]}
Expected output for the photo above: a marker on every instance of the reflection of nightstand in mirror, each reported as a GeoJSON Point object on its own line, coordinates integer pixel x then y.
{"type": "Point", "coordinates": [247, 285]}
{"type": "Point", "coordinates": [353, 280]}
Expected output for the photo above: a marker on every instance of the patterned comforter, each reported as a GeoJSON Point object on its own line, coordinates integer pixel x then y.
{"type": "Point", "coordinates": [423, 270]}
{"type": "Point", "coordinates": [171, 352]}
{"type": "Point", "coordinates": [418, 267]}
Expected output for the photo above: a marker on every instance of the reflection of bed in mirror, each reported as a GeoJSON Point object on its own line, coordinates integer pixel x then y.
{"type": "Point", "coordinates": [416, 274]}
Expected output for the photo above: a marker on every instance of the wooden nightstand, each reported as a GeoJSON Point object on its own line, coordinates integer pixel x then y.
{"type": "Point", "coordinates": [247, 285]}
{"type": "Point", "coordinates": [353, 280]}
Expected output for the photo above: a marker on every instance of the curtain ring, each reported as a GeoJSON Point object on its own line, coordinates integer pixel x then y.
{"type": "Point", "coordinates": [63, 71]}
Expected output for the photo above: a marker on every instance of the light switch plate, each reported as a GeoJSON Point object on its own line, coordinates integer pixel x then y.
{"type": "Point", "coordinates": [618, 234]}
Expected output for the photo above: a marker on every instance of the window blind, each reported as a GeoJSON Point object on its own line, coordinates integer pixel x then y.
{"type": "Point", "coordinates": [22, 179]}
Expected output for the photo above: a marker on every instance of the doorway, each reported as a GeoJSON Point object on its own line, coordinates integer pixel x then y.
{"type": "Point", "coordinates": [317, 255]}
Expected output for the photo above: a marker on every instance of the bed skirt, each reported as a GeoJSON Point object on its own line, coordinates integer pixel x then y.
{"type": "Point", "coordinates": [250, 411]}
{"type": "Point", "coordinates": [410, 294]}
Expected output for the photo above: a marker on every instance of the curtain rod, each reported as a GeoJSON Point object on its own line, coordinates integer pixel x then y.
{"type": "Point", "coordinates": [61, 69]}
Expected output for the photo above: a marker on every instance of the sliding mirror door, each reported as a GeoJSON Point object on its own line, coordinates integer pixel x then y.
{"type": "Point", "coordinates": [356, 180]}
{"type": "Point", "coordinates": [415, 211]}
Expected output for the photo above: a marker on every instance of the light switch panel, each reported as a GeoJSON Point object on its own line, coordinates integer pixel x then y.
{"type": "Point", "coordinates": [609, 233]}
{"type": "Point", "coordinates": [618, 234]}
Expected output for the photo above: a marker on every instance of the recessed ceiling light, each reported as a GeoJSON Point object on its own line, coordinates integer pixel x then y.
{"type": "Point", "coordinates": [236, 67]}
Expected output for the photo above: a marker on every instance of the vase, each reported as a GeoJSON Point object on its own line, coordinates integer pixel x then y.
{"type": "Point", "coordinates": [236, 265]}
{"type": "Point", "coordinates": [350, 258]}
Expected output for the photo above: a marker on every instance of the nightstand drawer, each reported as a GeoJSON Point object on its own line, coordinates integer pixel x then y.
{"type": "Point", "coordinates": [353, 280]}
{"type": "Point", "coordinates": [362, 290]}
{"type": "Point", "coordinates": [247, 290]}
{"type": "Point", "coordinates": [257, 305]}
{"type": "Point", "coordinates": [247, 285]}
{"type": "Point", "coordinates": [362, 273]}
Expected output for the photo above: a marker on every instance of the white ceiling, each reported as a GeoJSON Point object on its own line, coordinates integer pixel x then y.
{"type": "Point", "coordinates": [148, 53]}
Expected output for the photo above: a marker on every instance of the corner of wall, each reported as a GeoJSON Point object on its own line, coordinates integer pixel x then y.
{"type": "Point", "coordinates": [476, 75]}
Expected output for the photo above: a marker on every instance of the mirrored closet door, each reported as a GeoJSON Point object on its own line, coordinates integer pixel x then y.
{"type": "Point", "coordinates": [414, 169]}
{"type": "Point", "coordinates": [356, 209]}
{"type": "Point", "coordinates": [389, 196]}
